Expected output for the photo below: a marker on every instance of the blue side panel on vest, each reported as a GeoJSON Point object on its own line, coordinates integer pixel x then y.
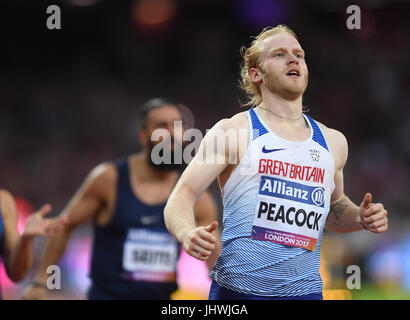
{"type": "Point", "coordinates": [257, 126]}
{"type": "Point", "coordinates": [317, 133]}
{"type": "Point", "coordinates": [109, 279]}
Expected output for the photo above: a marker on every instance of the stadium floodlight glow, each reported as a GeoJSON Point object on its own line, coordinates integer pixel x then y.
{"type": "Point", "coordinates": [153, 13]}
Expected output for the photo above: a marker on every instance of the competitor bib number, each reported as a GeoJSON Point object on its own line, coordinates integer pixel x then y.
{"type": "Point", "coordinates": [150, 256]}
{"type": "Point", "coordinates": [288, 213]}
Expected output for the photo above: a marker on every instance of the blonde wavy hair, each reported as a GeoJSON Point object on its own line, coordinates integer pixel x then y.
{"type": "Point", "coordinates": [252, 59]}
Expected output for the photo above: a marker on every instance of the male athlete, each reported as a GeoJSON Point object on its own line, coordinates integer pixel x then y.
{"type": "Point", "coordinates": [285, 188]}
{"type": "Point", "coordinates": [134, 256]}
{"type": "Point", "coordinates": [15, 250]}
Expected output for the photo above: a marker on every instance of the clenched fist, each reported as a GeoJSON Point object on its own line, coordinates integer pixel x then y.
{"type": "Point", "coordinates": [200, 241]}
{"type": "Point", "coordinates": [373, 215]}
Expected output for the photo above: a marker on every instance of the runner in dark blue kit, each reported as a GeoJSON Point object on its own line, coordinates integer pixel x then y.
{"type": "Point", "coordinates": [15, 250]}
{"type": "Point", "coordinates": [134, 256]}
{"type": "Point", "coordinates": [146, 268]}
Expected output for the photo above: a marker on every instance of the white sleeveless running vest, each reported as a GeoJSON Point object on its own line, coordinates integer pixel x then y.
{"type": "Point", "coordinates": [275, 207]}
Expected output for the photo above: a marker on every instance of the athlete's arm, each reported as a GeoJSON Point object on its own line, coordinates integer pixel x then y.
{"type": "Point", "coordinates": [344, 216]}
{"type": "Point", "coordinates": [202, 170]}
{"type": "Point", "coordinates": [89, 199]}
{"type": "Point", "coordinates": [18, 250]}
{"type": "Point", "coordinates": [205, 214]}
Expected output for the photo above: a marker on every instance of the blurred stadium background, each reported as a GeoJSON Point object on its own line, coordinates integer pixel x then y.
{"type": "Point", "coordinates": [69, 98]}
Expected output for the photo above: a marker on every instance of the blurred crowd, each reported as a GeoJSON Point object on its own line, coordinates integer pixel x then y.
{"type": "Point", "coordinates": [69, 97]}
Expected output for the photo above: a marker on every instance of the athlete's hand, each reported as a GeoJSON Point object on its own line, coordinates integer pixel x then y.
{"type": "Point", "coordinates": [373, 215]}
{"type": "Point", "coordinates": [37, 225]}
{"type": "Point", "coordinates": [33, 292]}
{"type": "Point", "coordinates": [200, 241]}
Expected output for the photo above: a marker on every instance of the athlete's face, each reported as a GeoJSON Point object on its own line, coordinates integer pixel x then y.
{"type": "Point", "coordinates": [163, 125]}
{"type": "Point", "coordinates": [166, 117]}
{"type": "Point", "coordinates": [284, 70]}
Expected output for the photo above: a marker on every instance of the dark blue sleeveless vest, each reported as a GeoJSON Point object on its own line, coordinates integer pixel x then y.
{"type": "Point", "coordinates": [134, 256]}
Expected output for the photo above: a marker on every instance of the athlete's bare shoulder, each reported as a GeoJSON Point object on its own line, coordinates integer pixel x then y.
{"type": "Point", "coordinates": [7, 203]}
{"type": "Point", "coordinates": [237, 121]}
{"type": "Point", "coordinates": [101, 179]}
{"type": "Point", "coordinates": [105, 171]}
{"type": "Point", "coordinates": [233, 131]}
{"type": "Point", "coordinates": [5, 194]}
{"type": "Point", "coordinates": [240, 119]}
{"type": "Point", "coordinates": [337, 143]}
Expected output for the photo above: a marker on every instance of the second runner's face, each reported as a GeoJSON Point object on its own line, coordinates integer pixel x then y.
{"type": "Point", "coordinates": [284, 67]}
{"type": "Point", "coordinates": [164, 126]}
{"type": "Point", "coordinates": [164, 117]}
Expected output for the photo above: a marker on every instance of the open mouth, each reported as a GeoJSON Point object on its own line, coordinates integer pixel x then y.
{"type": "Point", "coordinates": [293, 73]}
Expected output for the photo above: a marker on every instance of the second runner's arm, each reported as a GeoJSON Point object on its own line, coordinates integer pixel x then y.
{"type": "Point", "coordinates": [83, 206]}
